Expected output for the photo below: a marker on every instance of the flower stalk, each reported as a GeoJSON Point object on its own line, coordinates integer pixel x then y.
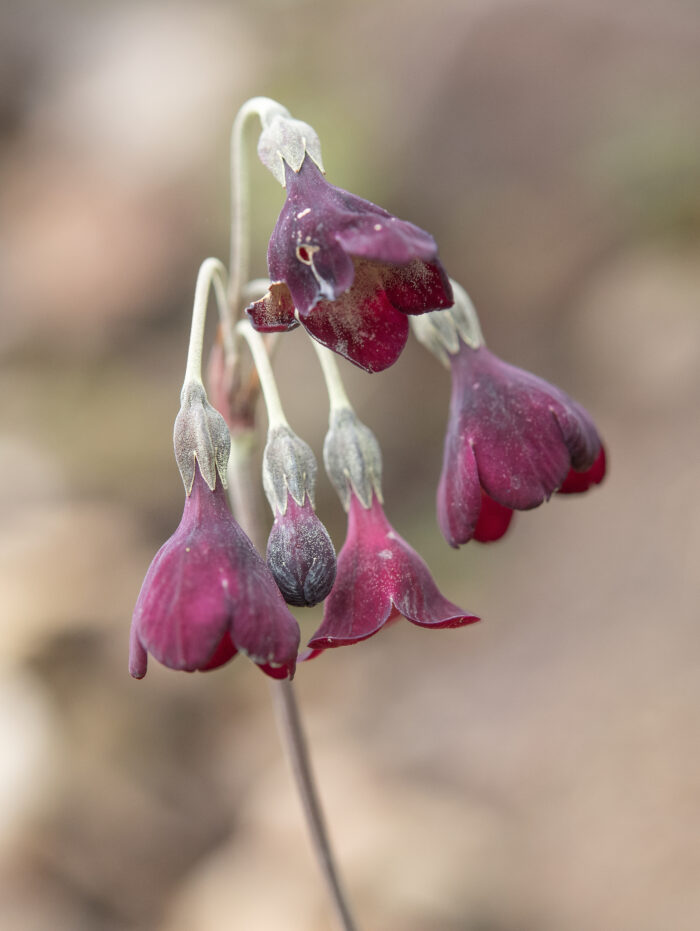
{"type": "Point", "coordinates": [244, 497]}
{"type": "Point", "coordinates": [337, 396]}
{"type": "Point", "coordinates": [212, 273]}
{"type": "Point", "coordinates": [294, 740]}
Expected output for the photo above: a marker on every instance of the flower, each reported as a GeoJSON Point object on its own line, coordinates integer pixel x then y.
{"type": "Point", "coordinates": [300, 554]}
{"type": "Point", "coordinates": [208, 595]}
{"type": "Point", "coordinates": [512, 441]}
{"type": "Point", "coordinates": [380, 577]}
{"type": "Point", "coordinates": [352, 270]}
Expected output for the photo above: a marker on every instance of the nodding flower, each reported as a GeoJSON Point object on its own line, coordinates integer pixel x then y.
{"type": "Point", "coordinates": [380, 577]}
{"type": "Point", "coordinates": [512, 438]}
{"type": "Point", "coordinates": [208, 595]}
{"type": "Point", "coordinates": [351, 269]}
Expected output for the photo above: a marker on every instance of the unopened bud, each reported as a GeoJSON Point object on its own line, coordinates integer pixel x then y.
{"type": "Point", "coordinates": [300, 552]}
{"type": "Point", "coordinates": [441, 330]}
{"type": "Point", "coordinates": [300, 555]}
{"type": "Point", "coordinates": [352, 458]}
{"type": "Point", "coordinates": [200, 435]}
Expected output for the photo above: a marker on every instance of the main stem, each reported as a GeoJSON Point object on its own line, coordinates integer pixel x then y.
{"type": "Point", "coordinates": [244, 491]}
{"type": "Point", "coordinates": [294, 740]}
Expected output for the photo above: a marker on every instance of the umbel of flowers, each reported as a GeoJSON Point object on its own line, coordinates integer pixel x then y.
{"type": "Point", "coordinates": [353, 276]}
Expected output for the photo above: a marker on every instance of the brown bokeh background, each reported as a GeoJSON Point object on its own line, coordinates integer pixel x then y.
{"type": "Point", "coordinates": [536, 772]}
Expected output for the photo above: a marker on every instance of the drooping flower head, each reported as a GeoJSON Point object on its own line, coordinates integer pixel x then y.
{"type": "Point", "coordinates": [512, 438]}
{"type": "Point", "coordinates": [352, 271]}
{"type": "Point", "coordinates": [208, 594]}
{"type": "Point", "coordinates": [300, 552]}
{"type": "Point", "coordinates": [380, 577]}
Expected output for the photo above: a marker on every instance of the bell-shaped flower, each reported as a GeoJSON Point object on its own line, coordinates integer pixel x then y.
{"type": "Point", "coordinates": [512, 438]}
{"type": "Point", "coordinates": [380, 577]}
{"type": "Point", "coordinates": [512, 441]}
{"type": "Point", "coordinates": [208, 595]}
{"type": "Point", "coordinates": [352, 271]}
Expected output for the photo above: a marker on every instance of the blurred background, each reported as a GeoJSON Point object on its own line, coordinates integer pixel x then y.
{"type": "Point", "coordinates": [535, 772]}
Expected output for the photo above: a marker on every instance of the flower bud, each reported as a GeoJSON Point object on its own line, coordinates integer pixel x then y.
{"type": "Point", "coordinates": [300, 553]}
{"type": "Point", "coordinates": [352, 458]}
{"type": "Point", "coordinates": [200, 435]}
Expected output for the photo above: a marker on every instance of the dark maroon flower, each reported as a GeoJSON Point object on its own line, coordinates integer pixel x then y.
{"type": "Point", "coordinates": [512, 441]}
{"type": "Point", "coordinates": [208, 594]}
{"type": "Point", "coordinates": [300, 555]}
{"type": "Point", "coordinates": [352, 270]}
{"type": "Point", "coordinates": [379, 578]}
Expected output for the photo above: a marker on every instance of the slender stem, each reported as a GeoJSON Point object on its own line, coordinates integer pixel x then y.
{"type": "Point", "coordinates": [273, 402]}
{"type": "Point", "coordinates": [294, 740]}
{"type": "Point", "coordinates": [336, 390]}
{"type": "Point", "coordinates": [264, 108]}
{"type": "Point", "coordinates": [242, 491]}
{"type": "Point", "coordinates": [211, 272]}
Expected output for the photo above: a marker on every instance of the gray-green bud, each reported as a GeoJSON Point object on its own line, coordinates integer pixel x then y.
{"type": "Point", "coordinates": [352, 458]}
{"type": "Point", "coordinates": [200, 436]}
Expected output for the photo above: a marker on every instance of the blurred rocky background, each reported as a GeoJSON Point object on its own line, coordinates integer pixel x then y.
{"type": "Point", "coordinates": [539, 771]}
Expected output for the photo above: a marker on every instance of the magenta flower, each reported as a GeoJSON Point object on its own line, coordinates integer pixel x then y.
{"type": "Point", "coordinates": [208, 595]}
{"type": "Point", "coordinates": [300, 555]}
{"type": "Point", "coordinates": [379, 578]}
{"type": "Point", "coordinates": [512, 441]}
{"type": "Point", "coordinates": [352, 270]}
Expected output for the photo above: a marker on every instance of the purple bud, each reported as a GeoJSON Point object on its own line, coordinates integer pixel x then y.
{"type": "Point", "coordinates": [301, 555]}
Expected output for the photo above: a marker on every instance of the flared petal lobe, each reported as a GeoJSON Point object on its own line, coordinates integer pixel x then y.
{"type": "Point", "coordinates": [380, 577]}
{"type": "Point", "coordinates": [329, 245]}
{"type": "Point", "coordinates": [577, 482]}
{"type": "Point", "coordinates": [512, 441]}
{"type": "Point", "coordinates": [208, 594]}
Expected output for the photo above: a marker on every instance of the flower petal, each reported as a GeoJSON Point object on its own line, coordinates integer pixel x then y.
{"type": "Point", "coordinates": [576, 482]}
{"type": "Point", "coordinates": [274, 312]}
{"type": "Point", "coordinates": [459, 496]}
{"type": "Point", "coordinates": [381, 237]}
{"type": "Point", "coordinates": [418, 287]}
{"type": "Point", "coordinates": [421, 602]}
{"type": "Point", "coordinates": [511, 419]}
{"type": "Point", "coordinates": [138, 656]}
{"type": "Point", "coordinates": [224, 652]}
{"type": "Point", "coordinates": [262, 626]}
{"type": "Point", "coordinates": [183, 608]}
{"type": "Point", "coordinates": [494, 520]}
{"type": "Point", "coordinates": [361, 326]}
